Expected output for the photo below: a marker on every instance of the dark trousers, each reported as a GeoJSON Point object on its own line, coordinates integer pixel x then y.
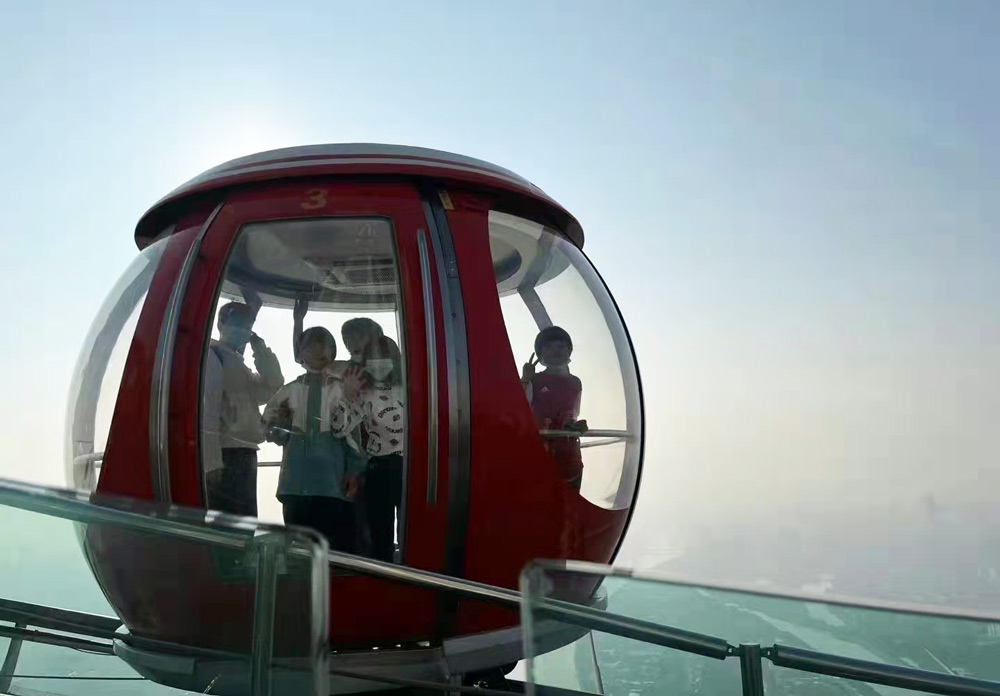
{"type": "Point", "coordinates": [383, 496]}
{"type": "Point", "coordinates": [234, 489]}
{"type": "Point", "coordinates": [331, 517]}
{"type": "Point", "coordinates": [576, 482]}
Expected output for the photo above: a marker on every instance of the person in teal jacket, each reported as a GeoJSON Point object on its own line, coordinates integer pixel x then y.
{"type": "Point", "coordinates": [320, 472]}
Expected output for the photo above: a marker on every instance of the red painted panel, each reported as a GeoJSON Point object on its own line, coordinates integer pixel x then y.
{"type": "Point", "coordinates": [126, 466]}
{"type": "Point", "coordinates": [520, 509]}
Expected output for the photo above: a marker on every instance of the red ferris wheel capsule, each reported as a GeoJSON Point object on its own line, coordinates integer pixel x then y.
{"type": "Point", "coordinates": [402, 348]}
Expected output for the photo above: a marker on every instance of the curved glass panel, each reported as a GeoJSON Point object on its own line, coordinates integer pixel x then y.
{"type": "Point", "coordinates": [162, 601]}
{"type": "Point", "coordinates": [99, 369]}
{"type": "Point", "coordinates": [303, 412]}
{"type": "Point", "coordinates": [573, 355]}
{"type": "Point", "coordinates": [643, 635]}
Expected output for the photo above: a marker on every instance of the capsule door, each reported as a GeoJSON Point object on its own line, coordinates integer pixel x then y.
{"type": "Point", "coordinates": [289, 270]}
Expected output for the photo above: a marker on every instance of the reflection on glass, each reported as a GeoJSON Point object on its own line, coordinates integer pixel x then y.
{"type": "Point", "coordinates": [573, 357]}
{"type": "Point", "coordinates": [303, 417]}
{"type": "Point", "coordinates": [573, 667]}
{"type": "Point", "coordinates": [92, 673]}
{"type": "Point", "coordinates": [100, 367]}
{"type": "Point", "coordinates": [631, 662]}
{"type": "Point", "coordinates": [157, 598]}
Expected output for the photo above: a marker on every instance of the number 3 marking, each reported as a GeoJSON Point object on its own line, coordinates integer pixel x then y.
{"type": "Point", "coordinates": [315, 199]}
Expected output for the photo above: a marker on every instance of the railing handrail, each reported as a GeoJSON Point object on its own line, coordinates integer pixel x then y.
{"type": "Point", "coordinates": [93, 457]}
{"type": "Point", "coordinates": [426, 579]}
{"type": "Point", "coordinates": [595, 432]}
{"type": "Point", "coordinates": [636, 629]}
{"type": "Point", "coordinates": [56, 619]}
{"type": "Point", "coordinates": [69, 506]}
{"type": "Point", "coordinates": [910, 678]}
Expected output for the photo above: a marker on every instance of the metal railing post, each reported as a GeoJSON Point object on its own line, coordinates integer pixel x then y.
{"type": "Point", "coordinates": [10, 662]}
{"type": "Point", "coordinates": [751, 669]}
{"type": "Point", "coordinates": [262, 656]}
{"type": "Point", "coordinates": [597, 664]}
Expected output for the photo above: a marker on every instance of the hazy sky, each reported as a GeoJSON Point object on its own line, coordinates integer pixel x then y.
{"type": "Point", "coordinates": [795, 204]}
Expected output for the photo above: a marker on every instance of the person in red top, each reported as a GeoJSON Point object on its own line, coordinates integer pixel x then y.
{"type": "Point", "coordinates": [554, 395]}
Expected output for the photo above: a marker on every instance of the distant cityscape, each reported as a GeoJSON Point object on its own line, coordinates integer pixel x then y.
{"type": "Point", "coordinates": [931, 555]}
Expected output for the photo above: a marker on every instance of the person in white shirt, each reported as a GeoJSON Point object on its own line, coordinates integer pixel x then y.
{"type": "Point", "coordinates": [321, 467]}
{"type": "Point", "coordinates": [373, 400]}
{"type": "Point", "coordinates": [233, 395]}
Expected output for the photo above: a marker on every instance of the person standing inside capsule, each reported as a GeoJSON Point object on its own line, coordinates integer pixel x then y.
{"type": "Point", "coordinates": [356, 333]}
{"type": "Point", "coordinates": [320, 469]}
{"type": "Point", "coordinates": [554, 395]}
{"type": "Point", "coordinates": [231, 428]}
{"type": "Point", "coordinates": [373, 400]}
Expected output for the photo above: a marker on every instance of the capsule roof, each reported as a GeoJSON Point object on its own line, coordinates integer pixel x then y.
{"type": "Point", "coordinates": [346, 160]}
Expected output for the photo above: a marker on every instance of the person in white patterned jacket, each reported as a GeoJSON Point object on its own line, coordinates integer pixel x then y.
{"type": "Point", "coordinates": [374, 402]}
